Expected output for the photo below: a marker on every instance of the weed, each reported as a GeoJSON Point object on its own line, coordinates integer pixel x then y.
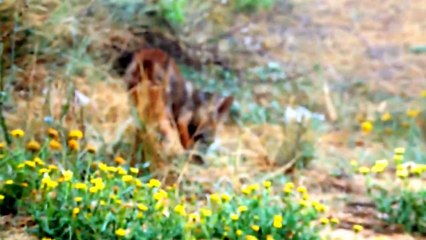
{"type": "Point", "coordinates": [70, 193]}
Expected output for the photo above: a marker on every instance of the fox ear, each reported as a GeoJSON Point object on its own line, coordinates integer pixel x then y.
{"type": "Point", "coordinates": [224, 106]}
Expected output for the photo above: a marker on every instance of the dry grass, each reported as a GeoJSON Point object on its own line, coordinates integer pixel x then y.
{"type": "Point", "coordinates": [365, 41]}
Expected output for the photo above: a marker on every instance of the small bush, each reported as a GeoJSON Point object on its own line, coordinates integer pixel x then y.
{"type": "Point", "coordinates": [405, 202]}
{"type": "Point", "coordinates": [71, 194]}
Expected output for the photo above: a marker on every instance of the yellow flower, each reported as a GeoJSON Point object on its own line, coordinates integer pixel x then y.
{"type": "Point", "coordinates": [302, 190]}
{"type": "Point", "coordinates": [423, 93]}
{"type": "Point", "coordinates": [334, 221]}
{"type": "Point", "coordinates": [91, 148]}
{"type": "Point", "coordinates": [399, 150]}
{"type": "Point", "coordinates": [55, 145]}
{"type": "Point", "coordinates": [47, 181]}
{"type": "Point", "coordinates": [138, 183]}
{"type": "Point", "coordinates": [112, 169]}
{"type": "Point", "coordinates": [354, 163]}
{"type": "Point", "coordinates": [278, 221]}
{"type": "Point", "coordinates": [9, 182]}
{"type": "Point", "coordinates": [52, 167]}
{"type": "Point", "coordinates": [287, 189]}
{"type": "Point", "coordinates": [206, 212]}
{"type": "Point", "coordinates": [93, 189]}
{"type": "Point", "coordinates": [251, 237]}
{"type": "Point", "coordinates": [140, 215]}
{"type": "Point", "coordinates": [324, 221]}
{"type": "Point", "coordinates": [418, 169]}
{"type": "Point", "coordinates": [134, 170]}
{"type": "Point", "coordinates": [121, 171]}
{"type": "Point", "coordinates": [43, 171]}
{"type": "Point", "coordinates": [38, 161]}
{"type": "Point", "coordinates": [269, 237]}
{"type": "Point", "coordinates": [78, 199]}
{"type": "Point", "coordinates": [30, 164]}
{"type": "Point", "coordinates": [52, 133]}
{"type": "Point", "coordinates": [357, 228]}
{"type": "Point", "coordinates": [413, 113]}
{"type": "Point", "coordinates": [305, 196]}
{"type": "Point", "coordinates": [154, 183]}
{"type": "Point", "coordinates": [75, 134]}
{"type": "Point", "coordinates": [193, 217]}
{"type": "Point", "coordinates": [103, 167]}
{"type": "Point", "coordinates": [246, 190]}
{"type": "Point", "coordinates": [127, 178]}
{"type": "Point", "coordinates": [242, 209]}
{"type": "Point", "coordinates": [364, 170]}
{"type": "Point", "coordinates": [2, 145]}
{"type": "Point", "coordinates": [180, 209]}
{"type": "Point", "coordinates": [254, 187]}
{"type": "Point", "coordinates": [68, 174]}
{"type": "Point", "coordinates": [160, 195]}
{"type": "Point", "coordinates": [239, 232]}
{"type": "Point", "coordinates": [33, 146]}
{"type": "Point", "coordinates": [383, 163]}
{"type": "Point", "coordinates": [267, 184]}
{"type": "Point", "coordinates": [255, 228]}
{"type": "Point", "coordinates": [386, 117]}
{"type": "Point", "coordinates": [119, 160]}
{"type": "Point", "coordinates": [380, 166]}
{"type": "Point", "coordinates": [142, 207]}
{"type": "Point", "coordinates": [398, 158]}
{"type": "Point", "coordinates": [303, 203]}
{"type": "Point", "coordinates": [80, 186]}
{"type": "Point", "coordinates": [234, 217]}
{"type": "Point", "coordinates": [225, 197]}
{"type": "Point", "coordinates": [403, 173]}
{"type": "Point", "coordinates": [1, 197]}
{"type": "Point", "coordinates": [367, 127]}
{"type": "Point", "coordinates": [73, 145]}
{"type": "Point", "coordinates": [17, 133]}
{"type": "Point", "coordinates": [318, 206]}
{"type": "Point", "coordinates": [24, 184]}
{"type": "Point", "coordinates": [215, 198]}
{"type": "Point", "coordinates": [121, 232]}
{"type": "Point", "coordinates": [377, 169]}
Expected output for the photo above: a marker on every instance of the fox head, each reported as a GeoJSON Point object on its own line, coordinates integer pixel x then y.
{"type": "Point", "coordinates": [209, 111]}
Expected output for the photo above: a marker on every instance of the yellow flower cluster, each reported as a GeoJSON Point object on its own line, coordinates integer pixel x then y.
{"type": "Point", "coordinates": [379, 166]}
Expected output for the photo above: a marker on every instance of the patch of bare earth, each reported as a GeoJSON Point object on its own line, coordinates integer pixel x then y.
{"type": "Point", "coordinates": [353, 40]}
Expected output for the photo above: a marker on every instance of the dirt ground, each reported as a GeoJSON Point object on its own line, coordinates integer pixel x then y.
{"type": "Point", "coordinates": [353, 40]}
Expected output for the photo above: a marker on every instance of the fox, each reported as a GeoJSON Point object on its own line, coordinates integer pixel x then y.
{"type": "Point", "coordinates": [171, 104]}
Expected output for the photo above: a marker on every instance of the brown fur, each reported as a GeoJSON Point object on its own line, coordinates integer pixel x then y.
{"type": "Point", "coordinates": [169, 104]}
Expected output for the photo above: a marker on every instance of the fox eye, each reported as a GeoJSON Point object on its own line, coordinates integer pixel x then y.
{"type": "Point", "coordinates": [200, 137]}
{"type": "Point", "coordinates": [192, 128]}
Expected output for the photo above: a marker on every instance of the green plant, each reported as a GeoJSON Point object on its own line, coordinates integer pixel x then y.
{"type": "Point", "coordinates": [252, 5]}
{"type": "Point", "coordinates": [173, 10]}
{"type": "Point", "coordinates": [71, 194]}
{"type": "Point", "coordinates": [403, 203]}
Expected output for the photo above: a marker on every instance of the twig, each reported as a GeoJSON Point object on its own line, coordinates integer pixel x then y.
{"type": "Point", "coordinates": [2, 96]}
{"type": "Point", "coordinates": [329, 103]}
